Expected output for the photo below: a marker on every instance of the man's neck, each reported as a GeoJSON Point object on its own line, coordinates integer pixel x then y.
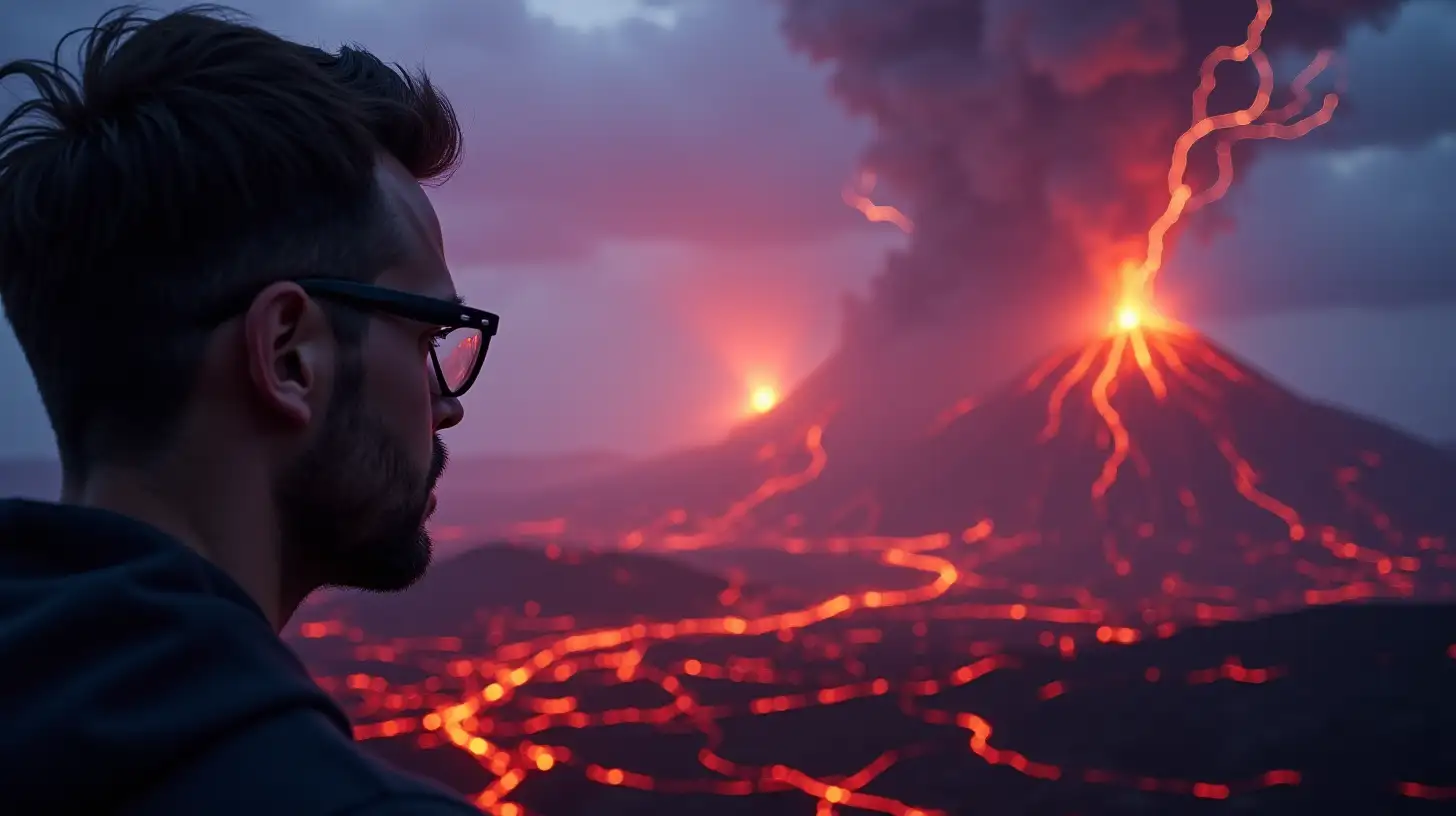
{"type": "Point", "coordinates": [221, 523]}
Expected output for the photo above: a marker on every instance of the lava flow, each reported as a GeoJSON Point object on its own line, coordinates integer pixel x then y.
{"type": "Point", "coordinates": [1045, 549]}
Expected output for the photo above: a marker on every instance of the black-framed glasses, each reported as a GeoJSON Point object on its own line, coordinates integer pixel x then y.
{"type": "Point", "coordinates": [458, 351]}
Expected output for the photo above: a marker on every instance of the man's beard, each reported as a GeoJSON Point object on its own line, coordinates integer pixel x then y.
{"type": "Point", "coordinates": [353, 507]}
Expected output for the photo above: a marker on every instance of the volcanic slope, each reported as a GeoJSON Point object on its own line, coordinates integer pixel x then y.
{"type": "Point", "coordinates": [1145, 476]}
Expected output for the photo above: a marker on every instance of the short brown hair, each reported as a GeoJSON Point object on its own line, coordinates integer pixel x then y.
{"type": "Point", "coordinates": [192, 158]}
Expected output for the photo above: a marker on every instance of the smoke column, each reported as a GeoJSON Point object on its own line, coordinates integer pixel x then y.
{"type": "Point", "coordinates": [1028, 140]}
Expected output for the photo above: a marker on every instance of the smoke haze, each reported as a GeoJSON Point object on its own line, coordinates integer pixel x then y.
{"type": "Point", "coordinates": [1029, 139]}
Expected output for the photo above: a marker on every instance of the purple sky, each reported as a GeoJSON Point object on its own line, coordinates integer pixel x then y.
{"type": "Point", "coordinates": [651, 200]}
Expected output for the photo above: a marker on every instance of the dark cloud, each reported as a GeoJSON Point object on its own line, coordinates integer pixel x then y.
{"type": "Point", "coordinates": [705, 133]}
{"type": "Point", "coordinates": [710, 131]}
{"type": "Point", "coordinates": [1030, 138]}
{"type": "Point", "coordinates": [1400, 80]}
{"type": "Point", "coordinates": [1026, 134]}
{"type": "Point", "coordinates": [1355, 216]}
{"type": "Point", "coordinates": [1366, 227]}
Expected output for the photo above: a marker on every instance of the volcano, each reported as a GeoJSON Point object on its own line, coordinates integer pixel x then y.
{"type": "Point", "coordinates": [828, 607]}
{"type": "Point", "coordinates": [1143, 477]}
{"type": "Point", "coordinates": [1132, 481]}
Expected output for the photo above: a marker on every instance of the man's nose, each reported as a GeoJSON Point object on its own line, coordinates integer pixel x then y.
{"type": "Point", "coordinates": [448, 412]}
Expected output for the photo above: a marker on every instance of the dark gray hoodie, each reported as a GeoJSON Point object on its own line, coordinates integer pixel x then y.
{"type": "Point", "coordinates": [137, 678]}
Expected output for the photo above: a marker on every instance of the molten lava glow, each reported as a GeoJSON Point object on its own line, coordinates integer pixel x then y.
{"type": "Point", "coordinates": [858, 197]}
{"type": "Point", "coordinates": [1129, 318]}
{"type": "Point", "coordinates": [763, 399]}
{"type": "Point", "coordinates": [511, 695]}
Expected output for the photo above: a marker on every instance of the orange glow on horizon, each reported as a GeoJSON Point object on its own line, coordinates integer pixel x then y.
{"type": "Point", "coordinates": [763, 399]}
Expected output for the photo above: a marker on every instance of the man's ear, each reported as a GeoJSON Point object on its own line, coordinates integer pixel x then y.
{"type": "Point", "coordinates": [290, 349]}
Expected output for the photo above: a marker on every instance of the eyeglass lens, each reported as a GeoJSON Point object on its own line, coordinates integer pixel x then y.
{"type": "Point", "coordinates": [457, 352]}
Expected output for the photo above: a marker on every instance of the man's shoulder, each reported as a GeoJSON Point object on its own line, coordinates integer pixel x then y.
{"type": "Point", "coordinates": [295, 764]}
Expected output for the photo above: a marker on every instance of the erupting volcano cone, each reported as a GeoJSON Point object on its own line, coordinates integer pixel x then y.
{"type": "Point", "coordinates": [1148, 476]}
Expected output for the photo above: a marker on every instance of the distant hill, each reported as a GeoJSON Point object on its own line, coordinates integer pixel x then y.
{"type": "Point", "coordinates": [594, 589]}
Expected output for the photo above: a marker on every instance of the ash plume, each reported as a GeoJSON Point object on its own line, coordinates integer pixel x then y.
{"type": "Point", "coordinates": [1029, 139]}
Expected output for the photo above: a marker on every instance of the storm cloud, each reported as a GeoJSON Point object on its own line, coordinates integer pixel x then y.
{"type": "Point", "coordinates": [695, 132]}
{"type": "Point", "coordinates": [1029, 139]}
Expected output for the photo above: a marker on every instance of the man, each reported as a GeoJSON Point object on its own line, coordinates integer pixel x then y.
{"type": "Point", "coordinates": [230, 287]}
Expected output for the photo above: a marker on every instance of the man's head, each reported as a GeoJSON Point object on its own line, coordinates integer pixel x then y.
{"type": "Point", "coordinates": [161, 211]}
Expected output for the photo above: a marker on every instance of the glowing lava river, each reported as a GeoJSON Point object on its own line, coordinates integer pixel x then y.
{"type": "Point", "coordinates": [1088, 592]}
